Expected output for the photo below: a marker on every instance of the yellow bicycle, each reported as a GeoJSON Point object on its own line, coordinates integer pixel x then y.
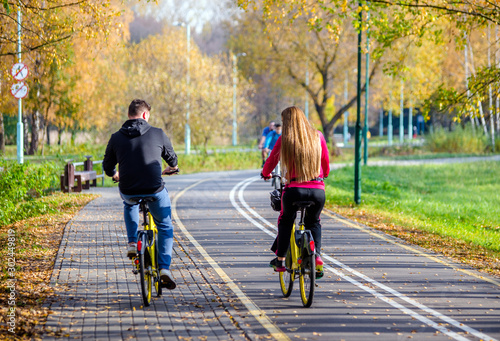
{"type": "Point", "coordinates": [300, 260]}
{"type": "Point", "coordinates": [146, 261]}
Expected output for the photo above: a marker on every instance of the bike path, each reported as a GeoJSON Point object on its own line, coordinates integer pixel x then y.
{"type": "Point", "coordinates": [226, 291]}
{"type": "Point", "coordinates": [375, 286]}
{"type": "Point", "coordinates": [98, 297]}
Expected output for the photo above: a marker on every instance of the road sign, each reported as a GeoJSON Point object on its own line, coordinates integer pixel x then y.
{"type": "Point", "coordinates": [19, 90]}
{"type": "Point", "coordinates": [19, 71]}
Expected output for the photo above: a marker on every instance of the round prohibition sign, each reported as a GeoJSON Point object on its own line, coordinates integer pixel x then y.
{"type": "Point", "coordinates": [19, 90]}
{"type": "Point", "coordinates": [19, 71]}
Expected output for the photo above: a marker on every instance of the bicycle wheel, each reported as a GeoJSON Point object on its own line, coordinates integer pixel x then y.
{"type": "Point", "coordinates": [287, 277]}
{"type": "Point", "coordinates": [307, 278]}
{"type": "Point", "coordinates": [145, 276]}
{"type": "Point", "coordinates": [156, 274]}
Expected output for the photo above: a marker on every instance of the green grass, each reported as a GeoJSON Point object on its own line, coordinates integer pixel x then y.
{"type": "Point", "coordinates": [461, 201]}
{"type": "Point", "coordinates": [219, 162]}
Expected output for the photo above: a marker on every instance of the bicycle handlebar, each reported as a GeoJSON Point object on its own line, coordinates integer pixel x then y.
{"type": "Point", "coordinates": [169, 173]}
{"type": "Point", "coordinates": [173, 172]}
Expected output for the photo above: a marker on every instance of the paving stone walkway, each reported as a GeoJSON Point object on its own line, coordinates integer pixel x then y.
{"type": "Point", "coordinates": [98, 296]}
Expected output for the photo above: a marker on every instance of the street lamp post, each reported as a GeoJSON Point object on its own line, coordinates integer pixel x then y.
{"type": "Point", "coordinates": [187, 133]}
{"type": "Point", "coordinates": [367, 95]}
{"type": "Point", "coordinates": [187, 138]}
{"type": "Point", "coordinates": [357, 146]}
{"type": "Point", "coordinates": [389, 127]}
{"type": "Point", "coordinates": [346, 113]}
{"type": "Point", "coordinates": [381, 122]}
{"type": "Point", "coordinates": [410, 121]}
{"type": "Point", "coordinates": [235, 79]}
{"type": "Point", "coordinates": [401, 115]}
{"type": "Point", "coordinates": [307, 96]}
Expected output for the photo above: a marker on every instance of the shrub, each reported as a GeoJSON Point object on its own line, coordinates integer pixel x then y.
{"type": "Point", "coordinates": [21, 185]}
{"type": "Point", "coordinates": [457, 141]}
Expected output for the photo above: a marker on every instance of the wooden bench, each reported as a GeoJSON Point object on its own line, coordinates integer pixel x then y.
{"type": "Point", "coordinates": [83, 178]}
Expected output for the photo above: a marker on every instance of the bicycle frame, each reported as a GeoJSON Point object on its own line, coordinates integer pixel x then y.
{"type": "Point", "coordinates": [147, 255]}
{"type": "Point", "coordinates": [294, 249]}
{"type": "Point", "coordinates": [295, 242]}
{"type": "Point", "coordinates": [300, 262]}
{"type": "Point", "coordinates": [151, 232]}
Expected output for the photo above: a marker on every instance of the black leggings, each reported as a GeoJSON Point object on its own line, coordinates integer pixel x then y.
{"type": "Point", "coordinates": [289, 213]}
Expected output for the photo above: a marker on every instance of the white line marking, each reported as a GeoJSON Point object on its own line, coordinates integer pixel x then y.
{"type": "Point", "coordinates": [412, 249]}
{"type": "Point", "coordinates": [253, 309]}
{"type": "Point", "coordinates": [393, 292]}
{"type": "Point", "coordinates": [243, 213]}
{"type": "Point", "coordinates": [249, 209]}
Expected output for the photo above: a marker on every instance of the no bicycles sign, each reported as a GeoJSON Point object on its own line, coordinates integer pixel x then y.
{"type": "Point", "coordinates": [19, 90]}
{"type": "Point", "coordinates": [19, 71]}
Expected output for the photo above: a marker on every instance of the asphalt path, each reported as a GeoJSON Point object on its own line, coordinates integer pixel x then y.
{"type": "Point", "coordinates": [375, 286]}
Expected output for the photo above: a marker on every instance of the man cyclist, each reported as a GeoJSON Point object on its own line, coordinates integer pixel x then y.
{"type": "Point", "coordinates": [265, 131]}
{"type": "Point", "coordinates": [139, 148]}
{"type": "Point", "coordinates": [272, 137]}
{"type": "Point", "coordinates": [271, 140]}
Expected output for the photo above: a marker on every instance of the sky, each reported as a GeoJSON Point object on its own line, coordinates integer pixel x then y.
{"type": "Point", "coordinates": [195, 12]}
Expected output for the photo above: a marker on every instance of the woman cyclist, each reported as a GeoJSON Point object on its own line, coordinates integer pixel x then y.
{"type": "Point", "coordinates": [304, 164]}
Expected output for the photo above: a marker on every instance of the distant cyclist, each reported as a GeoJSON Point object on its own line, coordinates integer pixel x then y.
{"type": "Point", "coordinates": [271, 140]}
{"type": "Point", "coordinates": [139, 148]}
{"type": "Point", "coordinates": [272, 137]}
{"type": "Point", "coordinates": [265, 131]}
{"type": "Point", "coordinates": [305, 163]}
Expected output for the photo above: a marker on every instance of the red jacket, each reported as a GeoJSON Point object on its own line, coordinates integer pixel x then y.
{"type": "Point", "coordinates": [274, 158]}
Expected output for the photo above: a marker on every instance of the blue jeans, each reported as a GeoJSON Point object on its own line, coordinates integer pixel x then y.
{"type": "Point", "coordinates": [162, 216]}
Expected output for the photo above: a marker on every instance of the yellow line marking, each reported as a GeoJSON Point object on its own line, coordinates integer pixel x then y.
{"type": "Point", "coordinates": [378, 235]}
{"type": "Point", "coordinates": [259, 314]}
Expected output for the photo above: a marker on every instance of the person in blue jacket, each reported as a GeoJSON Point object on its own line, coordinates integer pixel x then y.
{"type": "Point", "coordinates": [272, 137]}
{"type": "Point", "coordinates": [262, 140]}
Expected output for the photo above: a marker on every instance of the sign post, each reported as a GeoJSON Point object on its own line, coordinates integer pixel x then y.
{"type": "Point", "coordinates": [20, 132]}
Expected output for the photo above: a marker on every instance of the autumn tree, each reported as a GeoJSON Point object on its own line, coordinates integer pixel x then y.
{"type": "Point", "coordinates": [157, 72]}
{"type": "Point", "coordinates": [288, 47]}
{"type": "Point", "coordinates": [391, 20]}
{"type": "Point", "coordinates": [49, 31]}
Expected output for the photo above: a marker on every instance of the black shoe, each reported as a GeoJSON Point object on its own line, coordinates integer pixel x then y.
{"type": "Point", "coordinates": [277, 265]}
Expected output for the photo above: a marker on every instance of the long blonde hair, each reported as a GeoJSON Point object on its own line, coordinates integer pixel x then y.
{"type": "Point", "coordinates": [300, 146]}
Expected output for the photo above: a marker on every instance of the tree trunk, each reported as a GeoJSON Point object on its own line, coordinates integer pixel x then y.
{"type": "Point", "coordinates": [48, 134]}
{"type": "Point", "coordinates": [59, 136]}
{"type": "Point", "coordinates": [35, 132]}
{"type": "Point", "coordinates": [43, 128]}
{"type": "Point", "coordinates": [26, 134]}
{"type": "Point", "coordinates": [483, 121]}
{"type": "Point", "coordinates": [2, 136]}
{"type": "Point", "coordinates": [328, 132]}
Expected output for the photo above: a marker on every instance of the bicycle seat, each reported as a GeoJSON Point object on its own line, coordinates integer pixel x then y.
{"type": "Point", "coordinates": [142, 199]}
{"type": "Point", "coordinates": [304, 204]}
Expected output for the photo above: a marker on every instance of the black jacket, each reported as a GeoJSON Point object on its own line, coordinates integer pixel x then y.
{"type": "Point", "coordinates": [138, 148]}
